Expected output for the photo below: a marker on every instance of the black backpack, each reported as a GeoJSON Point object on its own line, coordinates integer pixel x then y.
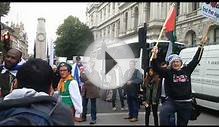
{"type": "Point", "coordinates": [23, 111]}
{"type": "Point", "coordinates": [196, 111]}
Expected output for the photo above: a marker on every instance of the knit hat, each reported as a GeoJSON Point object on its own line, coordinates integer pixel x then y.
{"type": "Point", "coordinates": [173, 57]}
{"type": "Point", "coordinates": [64, 64]}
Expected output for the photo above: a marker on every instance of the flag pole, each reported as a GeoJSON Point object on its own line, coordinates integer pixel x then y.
{"type": "Point", "coordinates": [203, 39]}
{"type": "Point", "coordinates": [163, 27]}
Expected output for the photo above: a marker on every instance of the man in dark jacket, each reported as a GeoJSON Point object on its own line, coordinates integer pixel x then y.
{"type": "Point", "coordinates": [134, 78]}
{"type": "Point", "coordinates": [30, 101]}
{"type": "Point", "coordinates": [8, 70]}
{"type": "Point", "coordinates": [56, 77]}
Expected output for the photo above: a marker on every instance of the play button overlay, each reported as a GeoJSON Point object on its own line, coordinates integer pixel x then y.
{"type": "Point", "coordinates": [108, 63]}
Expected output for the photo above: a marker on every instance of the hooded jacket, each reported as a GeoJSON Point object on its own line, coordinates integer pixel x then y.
{"type": "Point", "coordinates": [29, 99]}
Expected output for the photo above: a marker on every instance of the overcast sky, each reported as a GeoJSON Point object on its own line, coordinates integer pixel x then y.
{"type": "Point", "coordinates": [54, 13]}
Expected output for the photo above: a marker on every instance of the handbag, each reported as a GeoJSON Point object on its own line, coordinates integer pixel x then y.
{"type": "Point", "coordinates": [196, 111]}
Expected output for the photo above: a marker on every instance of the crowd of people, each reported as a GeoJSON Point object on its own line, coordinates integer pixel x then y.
{"type": "Point", "coordinates": [45, 93]}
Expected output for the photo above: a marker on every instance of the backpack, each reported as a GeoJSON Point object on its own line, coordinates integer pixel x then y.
{"type": "Point", "coordinates": [23, 111]}
{"type": "Point", "coordinates": [196, 111]}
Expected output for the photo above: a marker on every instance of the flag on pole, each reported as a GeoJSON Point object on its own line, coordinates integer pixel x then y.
{"type": "Point", "coordinates": [170, 27]}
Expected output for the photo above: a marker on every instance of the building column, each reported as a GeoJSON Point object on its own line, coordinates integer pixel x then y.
{"type": "Point", "coordinates": [159, 15]}
{"type": "Point", "coordinates": [122, 23]}
{"type": "Point", "coordinates": [188, 10]}
{"type": "Point", "coordinates": [144, 11]}
{"type": "Point", "coordinates": [151, 11]}
{"type": "Point", "coordinates": [116, 29]}
{"type": "Point", "coordinates": [168, 8]}
{"type": "Point", "coordinates": [132, 18]}
{"type": "Point", "coordinates": [181, 8]}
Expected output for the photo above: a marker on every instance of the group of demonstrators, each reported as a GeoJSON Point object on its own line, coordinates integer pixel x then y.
{"type": "Point", "coordinates": [35, 93]}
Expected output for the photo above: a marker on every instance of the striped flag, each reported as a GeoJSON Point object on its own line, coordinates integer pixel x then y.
{"type": "Point", "coordinates": [170, 27]}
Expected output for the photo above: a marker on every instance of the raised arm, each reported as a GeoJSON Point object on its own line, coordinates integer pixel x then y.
{"type": "Point", "coordinates": [194, 62]}
{"type": "Point", "coordinates": [197, 57]}
{"type": "Point", "coordinates": [161, 71]}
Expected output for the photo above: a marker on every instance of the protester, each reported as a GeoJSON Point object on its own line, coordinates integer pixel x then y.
{"type": "Point", "coordinates": [69, 91]}
{"type": "Point", "coordinates": [30, 99]}
{"type": "Point", "coordinates": [134, 79]}
{"type": "Point", "coordinates": [90, 92]}
{"type": "Point", "coordinates": [76, 71]}
{"type": "Point", "coordinates": [163, 96]}
{"type": "Point", "coordinates": [116, 82]}
{"type": "Point", "coordinates": [56, 77]}
{"type": "Point", "coordinates": [11, 63]}
{"type": "Point", "coordinates": [178, 90]}
{"type": "Point", "coordinates": [151, 95]}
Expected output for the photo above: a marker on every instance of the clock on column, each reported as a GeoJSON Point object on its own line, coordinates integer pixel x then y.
{"type": "Point", "coordinates": [41, 37]}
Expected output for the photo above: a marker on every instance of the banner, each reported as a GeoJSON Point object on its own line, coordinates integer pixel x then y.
{"type": "Point", "coordinates": [211, 10]}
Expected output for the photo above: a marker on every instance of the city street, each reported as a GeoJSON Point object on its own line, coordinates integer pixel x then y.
{"type": "Point", "coordinates": [79, 50]}
{"type": "Point", "coordinates": [106, 116]}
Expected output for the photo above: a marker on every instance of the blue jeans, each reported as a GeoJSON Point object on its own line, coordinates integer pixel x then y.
{"type": "Point", "coordinates": [133, 105]}
{"type": "Point", "coordinates": [93, 107]}
{"type": "Point", "coordinates": [168, 109]}
{"type": "Point", "coordinates": [120, 96]}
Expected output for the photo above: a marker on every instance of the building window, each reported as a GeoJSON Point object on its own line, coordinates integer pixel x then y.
{"type": "Point", "coordinates": [136, 17]}
{"type": "Point", "coordinates": [108, 32]}
{"type": "Point", "coordinates": [126, 21]}
{"type": "Point", "coordinates": [148, 6]}
{"type": "Point", "coordinates": [100, 15]}
{"type": "Point", "coordinates": [92, 20]}
{"type": "Point", "coordinates": [104, 13]}
{"type": "Point", "coordinates": [100, 33]}
{"type": "Point", "coordinates": [109, 8]}
{"type": "Point", "coordinates": [177, 8]}
{"type": "Point", "coordinates": [195, 6]}
{"type": "Point", "coordinates": [113, 29]}
{"type": "Point", "coordinates": [216, 35]}
{"type": "Point", "coordinates": [193, 39]}
{"type": "Point", "coordinates": [113, 7]}
{"type": "Point", "coordinates": [118, 28]}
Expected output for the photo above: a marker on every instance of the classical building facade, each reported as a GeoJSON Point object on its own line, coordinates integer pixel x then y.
{"type": "Point", "coordinates": [123, 19]}
{"type": "Point", "coordinates": [40, 42]}
{"type": "Point", "coordinates": [18, 37]}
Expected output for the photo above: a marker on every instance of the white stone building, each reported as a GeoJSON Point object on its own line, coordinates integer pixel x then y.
{"type": "Point", "coordinates": [18, 37]}
{"type": "Point", "coordinates": [122, 20]}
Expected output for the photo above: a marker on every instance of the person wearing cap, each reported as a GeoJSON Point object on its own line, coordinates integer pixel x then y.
{"type": "Point", "coordinates": [8, 70]}
{"type": "Point", "coordinates": [69, 91]}
{"type": "Point", "coordinates": [178, 86]}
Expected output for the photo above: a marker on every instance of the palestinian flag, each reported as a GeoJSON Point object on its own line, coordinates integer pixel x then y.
{"type": "Point", "coordinates": [170, 27]}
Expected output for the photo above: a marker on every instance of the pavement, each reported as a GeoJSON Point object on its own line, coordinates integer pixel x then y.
{"type": "Point", "coordinates": [106, 116]}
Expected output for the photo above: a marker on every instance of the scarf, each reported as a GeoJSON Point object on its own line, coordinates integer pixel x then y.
{"type": "Point", "coordinates": [13, 70]}
{"type": "Point", "coordinates": [61, 85]}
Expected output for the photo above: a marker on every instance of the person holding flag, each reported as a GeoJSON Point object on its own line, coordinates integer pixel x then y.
{"type": "Point", "coordinates": [177, 77]}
